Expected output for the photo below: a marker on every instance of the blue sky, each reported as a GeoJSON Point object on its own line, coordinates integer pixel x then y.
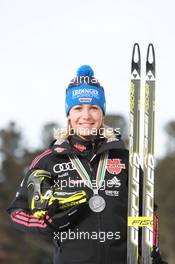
{"type": "Point", "coordinates": [42, 43]}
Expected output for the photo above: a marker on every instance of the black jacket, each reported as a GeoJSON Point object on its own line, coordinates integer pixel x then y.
{"type": "Point", "coordinates": [95, 238]}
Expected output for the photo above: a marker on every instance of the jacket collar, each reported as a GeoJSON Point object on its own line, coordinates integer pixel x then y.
{"type": "Point", "coordinates": [65, 147]}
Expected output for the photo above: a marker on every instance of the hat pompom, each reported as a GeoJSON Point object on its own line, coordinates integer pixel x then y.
{"type": "Point", "coordinates": [85, 70]}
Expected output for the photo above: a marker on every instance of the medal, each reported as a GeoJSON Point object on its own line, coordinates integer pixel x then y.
{"type": "Point", "coordinates": [97, 203]}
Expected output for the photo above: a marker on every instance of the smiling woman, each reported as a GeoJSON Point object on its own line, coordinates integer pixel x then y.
{"type": "Point", "coordinates": [76, 191]}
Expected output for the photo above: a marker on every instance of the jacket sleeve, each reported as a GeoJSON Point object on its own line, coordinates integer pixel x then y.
{"type": "Point", "coordinates": [20, 214]}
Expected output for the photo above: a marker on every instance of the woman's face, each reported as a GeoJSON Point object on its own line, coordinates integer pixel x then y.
{"type": "Point", "coordinates": [86, 119]}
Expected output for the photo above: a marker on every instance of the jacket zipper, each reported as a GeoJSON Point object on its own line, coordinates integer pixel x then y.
{"type": "Point", "coordinates": [101, 244]}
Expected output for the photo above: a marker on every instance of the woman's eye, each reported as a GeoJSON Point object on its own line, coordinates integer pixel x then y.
{"type": "Point", "coordinates": [77, 108]}
{"type": "Point", "coordinates": [94, 107]}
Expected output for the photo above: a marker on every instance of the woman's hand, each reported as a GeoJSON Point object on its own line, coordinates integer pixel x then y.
{"type": "Point", "coordinates": [157, 259]}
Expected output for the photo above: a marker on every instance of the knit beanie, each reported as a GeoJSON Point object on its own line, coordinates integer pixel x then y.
{"type": "Point", "coordinates": [85, 89]}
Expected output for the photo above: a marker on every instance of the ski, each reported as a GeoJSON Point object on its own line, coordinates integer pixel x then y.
{"type": "Point", "coordinates": [148, 181]}
{"type": "Point", "coordinates": [134, 186]}
{"type": "Point", "coordinates": [134, 157]}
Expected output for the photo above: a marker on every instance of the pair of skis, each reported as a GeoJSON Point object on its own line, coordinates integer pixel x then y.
{"type": "Point", "coordinates": [140, 227]}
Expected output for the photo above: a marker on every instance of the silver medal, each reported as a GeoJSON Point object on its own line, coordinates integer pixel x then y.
{"type": "Point", "coordinates": [97, 203]}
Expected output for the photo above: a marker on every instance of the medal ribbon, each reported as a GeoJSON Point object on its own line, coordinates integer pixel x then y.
{"type": "Point", "coordinates": [85, 176]}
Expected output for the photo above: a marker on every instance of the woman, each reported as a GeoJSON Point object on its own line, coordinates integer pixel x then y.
{"type": "Point", "coordinates": [76, 191]}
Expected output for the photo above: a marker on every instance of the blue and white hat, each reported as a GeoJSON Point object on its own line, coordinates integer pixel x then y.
{"type": "Point", "coordinates": [85, 89]}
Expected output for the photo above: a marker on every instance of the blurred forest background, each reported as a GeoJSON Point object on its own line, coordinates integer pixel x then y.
{"type": "Point", "coordinates": [18, 248]}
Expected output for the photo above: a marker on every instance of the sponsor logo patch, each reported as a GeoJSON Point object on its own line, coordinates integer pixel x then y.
{"type": "Point", "coordinates": [59, 149]}
{"type": "Point", "coordinates": [79, 147]}
{"type": "Point", "coordinates": [84, 92]}
{"type": "Point", "coordinates": [112, 193]}
{"type": "Point", "coordinates": [114, 166]}
{"type": "Point", "coordinates": [63, 175]}
{"type": "Point", "coordinates": [114, 182]}
{"type": "Point", "coordinates": [76, 182]}
{"type": "Point", "coordinates": [85, 100]}
{"type": "Point", "coordinates": [59, 167]}
{"type": "Point", "coordinates": [140, 221]}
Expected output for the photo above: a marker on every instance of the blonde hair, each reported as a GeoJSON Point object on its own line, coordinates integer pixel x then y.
{"type": "Point", "coordinates": [104, 130]}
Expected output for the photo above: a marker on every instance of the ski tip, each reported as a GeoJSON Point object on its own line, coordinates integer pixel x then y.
{"type": "Point", "coordinates": [150, 53]}
{"type": "Point", "coordinates": [136, 59]}
{"type": "Point", "coordinates": [150, 59]}
{"type": "Point", "coordinates": [136, 53]}
{"type": "Point", "coordinates": [136, 44]}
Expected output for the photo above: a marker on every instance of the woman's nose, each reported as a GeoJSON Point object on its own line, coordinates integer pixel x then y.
{"type": "Point", "coordinates": [86, 114]}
